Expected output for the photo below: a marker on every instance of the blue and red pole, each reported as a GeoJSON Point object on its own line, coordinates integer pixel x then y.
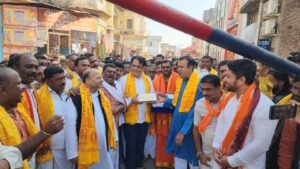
{"type": "Point", "coordinates": [180, 21]}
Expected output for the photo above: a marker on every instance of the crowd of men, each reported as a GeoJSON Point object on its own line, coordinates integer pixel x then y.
{"type": "Point", "coordinates": [83, 112]}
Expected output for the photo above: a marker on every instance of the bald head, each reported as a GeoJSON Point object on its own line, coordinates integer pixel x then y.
{"type": "Point", "coordinates": [92, 78]}
{"type": "Point", "coordinates": [5, 75]}
{"type": "Point", "coordinates": [10, 87]}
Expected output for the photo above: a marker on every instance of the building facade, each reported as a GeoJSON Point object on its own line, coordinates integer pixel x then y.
{"type": "Point", "coordinates": [280, 25]}
{"type": "Point", "coordinates": [153, 45]}
{"type": "Point", "coordinates": [53, 27]}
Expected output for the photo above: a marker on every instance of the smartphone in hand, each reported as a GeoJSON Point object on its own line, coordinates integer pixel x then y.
{"type": "Point", "coordinates": [284, 111]}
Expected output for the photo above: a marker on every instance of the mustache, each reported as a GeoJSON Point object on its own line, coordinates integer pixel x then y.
{"type": "Point", "coordinates": [63, 85]}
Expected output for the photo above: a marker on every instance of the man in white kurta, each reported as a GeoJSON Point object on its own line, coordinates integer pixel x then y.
{"type": "Point", "coordinates": [55, 83]}
{"type": "Point", "coordinates": [58, 141]}
{"type": "Point", "coordinates": [72, 139]}
{"type": "Point", "coordinates": [261, 128]}
{"type": "Point", "coordinates": [136, 130]}
{"type": "Point", "coordinates": [207, 108]}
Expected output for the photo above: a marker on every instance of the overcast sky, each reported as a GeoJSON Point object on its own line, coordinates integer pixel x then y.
{"type": "Point", "coordinates": [193, 8]}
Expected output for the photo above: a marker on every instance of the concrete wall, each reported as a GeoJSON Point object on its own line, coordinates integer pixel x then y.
{"type": "Point", "coordinates": [1, 46]}
{"type": "Point", "coordinates": [289, 27]}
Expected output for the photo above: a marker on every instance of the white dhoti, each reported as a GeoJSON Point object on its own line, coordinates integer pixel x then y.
{"type": "Point", "coordinates": [114, 155]}
{"type": "Point", "coordinates": [150, 146]}
{"type": "Point", "coordinates": [59, 161]}
{"type": "Point", "coordinates": [183, 164]}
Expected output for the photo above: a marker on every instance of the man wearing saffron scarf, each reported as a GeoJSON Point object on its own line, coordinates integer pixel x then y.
{"type": "Point", "coordinates": [81, 64]}
{"type": "Point", "coordinates": [164, 83]}
{"type": "Point", "coordinates": [89, 125]}
{"type": "Point", "coordinates": [244, 131]}
{"type": "Point", "coordinates": [137, 115]}
{"type": "Point", "coordinates": [207, 111]}
{"type": "Point", "coordinates": [16, 125]}
{"type": "Point", "coordinates": [188, 91]}
{"type": "Point", "coordinates": [53, 101]}
{"type": "Point", "coordinates": [113, 91]}
{"type": "Point", "coordinates": [26, 65]}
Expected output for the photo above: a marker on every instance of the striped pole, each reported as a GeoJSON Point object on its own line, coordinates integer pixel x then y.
{"type": "Point", "coordinates": [180, 21]}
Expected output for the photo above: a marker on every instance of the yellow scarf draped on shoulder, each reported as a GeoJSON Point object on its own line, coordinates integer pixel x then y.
{"type": "Point", "coordinates": [213, 71]}
{"type": "Point", "coordinates": [189, 93]}
{"type": "Point", "coordinates": [131, 114]}
{"type": "Point", "coordinates": [75, 80]}
{"type": "Point", "coordinates": [9, 133]}
{"type": "Point", "coordinates": [46, 111]}
{"type": "Point", "coordinates": [286, 100]}
{"type": "Point", "coordinates": [88, 152]}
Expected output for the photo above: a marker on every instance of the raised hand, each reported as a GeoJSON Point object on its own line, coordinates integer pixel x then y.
{"type": "Point", "coordinates": [54, 125]}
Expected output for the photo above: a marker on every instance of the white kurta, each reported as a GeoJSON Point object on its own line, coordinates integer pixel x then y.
{"type": "Point", "coordinates": [32, 161]}
{"type": "Point", "coordinates": [12, 155]}
{"type": "Point", "coordinates": [140, 89]}
{"type": "Point", "coordinates": [150, 143]}
{"type": "Point", "coordinates": [69, 82]}
{"type": "Point", "coordinates": [71, 140]}
{"type": "Point", "coordinates": [209, 133]}
{"type": "Point", "coordinates": [258, 139]}
{"type": "Point", "coordinates": [58, 141]}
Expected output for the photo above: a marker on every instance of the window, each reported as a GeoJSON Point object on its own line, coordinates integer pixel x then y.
{"type": "Point", "coordinates": [129, 24]}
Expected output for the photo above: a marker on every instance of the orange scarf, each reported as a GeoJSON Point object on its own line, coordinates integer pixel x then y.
{"type": "Point", "coordinates": [213, 113]}
{"type": "Point", "coordinates": [27, 102]}
{"type": "Point", "coordinates": [159, 83]}
{"type": "Point", "coordinates": [240, 116]}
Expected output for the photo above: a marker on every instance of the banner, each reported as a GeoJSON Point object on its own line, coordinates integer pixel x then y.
{"type": "Point", "coordinates": [64, 20]}
{"type": "Point", "coordinates": [19, 15]}
{"type": "Point", "coordinates": [19, 29]}
{"type": "Point", "coordinates": [19, 35]}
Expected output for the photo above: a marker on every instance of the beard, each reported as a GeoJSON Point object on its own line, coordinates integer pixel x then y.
{"type": "Point", "coordinates": [230, 88]}
{"type": "Point", "coordinates": [275, 89]}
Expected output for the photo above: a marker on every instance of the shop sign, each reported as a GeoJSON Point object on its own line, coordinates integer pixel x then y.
{"type": "Point", "coordinates": [64, 20]}
{"type": "Point", "coordinates": [265, 44]}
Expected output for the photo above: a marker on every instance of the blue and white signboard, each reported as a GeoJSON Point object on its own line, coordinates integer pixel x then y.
{"type": "Point", "coordinates": [265, 44]}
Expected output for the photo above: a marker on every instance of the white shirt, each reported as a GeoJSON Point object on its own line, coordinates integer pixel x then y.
{"type": "Point", "coordinates": [12, 155]}
{"type": "Point", "coordinates": [140, 89]}
{"type": "Point", "coordinates": [69, 82]}
{"type": "Point", "coordinates": [203, 72]}
{"type": "Point", "coordinates": [71, 136]}
{"type": "Point", "coordinates": [258, 139]}
{"type": "Point", "coordinates": [209, 133]}
{"type": "Point", "coordinates": [60, 108]}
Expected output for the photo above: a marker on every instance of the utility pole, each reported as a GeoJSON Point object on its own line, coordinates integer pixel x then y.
{"type": "Point", "coordinates": [259, 20]}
